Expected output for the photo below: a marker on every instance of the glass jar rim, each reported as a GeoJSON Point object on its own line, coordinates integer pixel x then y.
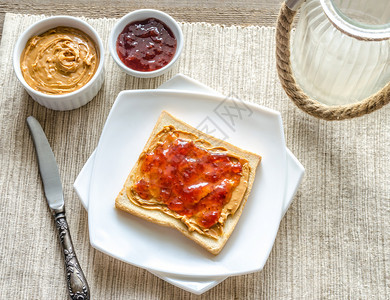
{"type": "Point", "coordinates": [354, 28]}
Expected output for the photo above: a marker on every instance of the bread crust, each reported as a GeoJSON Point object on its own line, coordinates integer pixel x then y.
{"type": "Point", "coordinates": [212, 244]}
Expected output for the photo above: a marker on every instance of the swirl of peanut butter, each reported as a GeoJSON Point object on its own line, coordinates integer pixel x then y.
{"type": "Point", "coordinates": [60, 60]}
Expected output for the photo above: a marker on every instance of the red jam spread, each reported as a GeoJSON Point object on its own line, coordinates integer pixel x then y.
{"type": "Point", "coordinates": [189, 179]}
{"type": "Point", "coordinates": [146, 45]}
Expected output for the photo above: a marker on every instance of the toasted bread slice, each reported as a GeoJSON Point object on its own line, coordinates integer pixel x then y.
{"type": "Point", "coordinates": [212, 239]}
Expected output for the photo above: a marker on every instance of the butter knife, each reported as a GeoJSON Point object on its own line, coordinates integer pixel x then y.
{"type": "Point", "coordinates": [77, 284]}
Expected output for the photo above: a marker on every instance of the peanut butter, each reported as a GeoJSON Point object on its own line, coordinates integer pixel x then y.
{"type": "Point", "coordinates": [60, 60]}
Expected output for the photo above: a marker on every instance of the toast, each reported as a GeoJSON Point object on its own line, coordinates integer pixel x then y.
{"type": "Point", "coordinates": [227, 173]}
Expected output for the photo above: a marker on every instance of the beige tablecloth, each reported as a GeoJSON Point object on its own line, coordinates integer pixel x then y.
{"type": "Point", "coordinates": [333, 243]}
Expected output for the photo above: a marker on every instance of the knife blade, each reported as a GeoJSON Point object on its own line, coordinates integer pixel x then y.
{"type": "Point", "coordinates": [77, 284]}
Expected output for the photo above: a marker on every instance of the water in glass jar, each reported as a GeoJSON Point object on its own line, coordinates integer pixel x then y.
{"type": "Point", "coordinates": [333, 67]}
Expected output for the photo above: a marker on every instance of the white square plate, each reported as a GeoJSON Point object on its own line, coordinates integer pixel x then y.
{"type": "Point", "coordinates": [164, 250]}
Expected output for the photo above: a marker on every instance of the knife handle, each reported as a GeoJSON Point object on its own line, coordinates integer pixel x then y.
{"type": "Point", "coordinates": [77, 283]}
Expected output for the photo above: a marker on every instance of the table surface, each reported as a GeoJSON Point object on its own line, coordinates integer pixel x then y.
{"type": "Point", "coordinates": [340, 251]}
{"type": "Point", "coordinates": [260, 12]}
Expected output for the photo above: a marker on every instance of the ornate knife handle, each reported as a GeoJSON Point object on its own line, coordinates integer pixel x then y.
{"type": "Point", "coordinates": [77, 284]}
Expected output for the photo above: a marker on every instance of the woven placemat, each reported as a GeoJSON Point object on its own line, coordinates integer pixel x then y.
{"type": "Point", "coordinates": [333, 243]}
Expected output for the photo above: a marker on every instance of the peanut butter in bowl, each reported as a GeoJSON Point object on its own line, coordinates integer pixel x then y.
{"type": "Point", "coordinates": [59, 61]}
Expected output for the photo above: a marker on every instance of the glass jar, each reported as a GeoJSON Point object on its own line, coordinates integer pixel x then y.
{"type": "Point", "coordinates": [341, 49]}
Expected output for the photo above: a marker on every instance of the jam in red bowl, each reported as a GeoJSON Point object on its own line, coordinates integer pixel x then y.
{"type": "Point", "coordinates": [146, 43]}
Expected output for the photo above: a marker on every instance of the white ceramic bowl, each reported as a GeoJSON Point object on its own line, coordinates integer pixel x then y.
{"type": "Point", "coordinates": [78, 97]}
{"type": "Point", "coordinates": [139, 15]}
